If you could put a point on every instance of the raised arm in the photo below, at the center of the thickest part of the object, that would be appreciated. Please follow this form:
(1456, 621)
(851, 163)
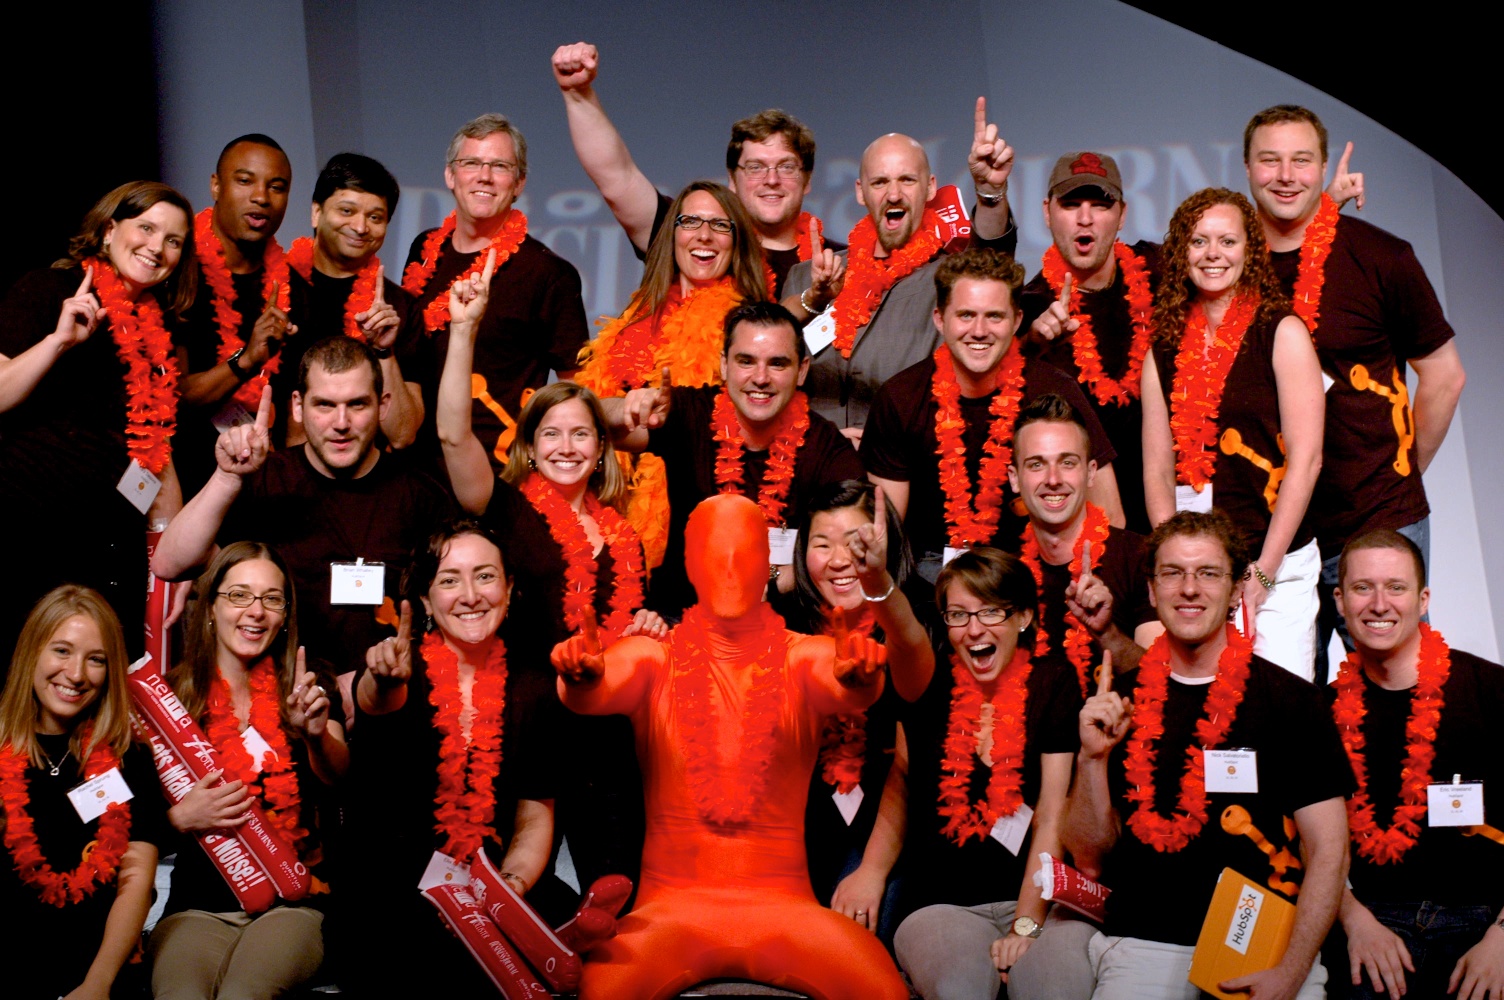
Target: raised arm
(614, 681)
(602, 152)
(76, 321)
(911, 658)
(991, 163)
(1091, 825)
(465, 457)
(1159, 447)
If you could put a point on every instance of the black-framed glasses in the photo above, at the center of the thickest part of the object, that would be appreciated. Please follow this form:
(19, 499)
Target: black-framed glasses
(757, 171)
(956, 618)
(689, 223)
(1172, 576)
(244, 599)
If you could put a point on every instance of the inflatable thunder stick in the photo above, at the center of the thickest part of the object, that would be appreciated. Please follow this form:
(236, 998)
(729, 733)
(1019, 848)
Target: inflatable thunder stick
(1062, 884)
(523, 927)
(480, 936)
(161, 712)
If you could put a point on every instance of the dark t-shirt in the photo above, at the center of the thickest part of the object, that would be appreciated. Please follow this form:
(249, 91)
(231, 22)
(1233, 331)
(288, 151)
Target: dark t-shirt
(534, 324)
(1121, 568)
(1163, 896)
(313, 520)
(979, 871)
(688, 448)
(198, 340)
(1107, 309)
(1377, 311)
(899, 444)
(1443, 866)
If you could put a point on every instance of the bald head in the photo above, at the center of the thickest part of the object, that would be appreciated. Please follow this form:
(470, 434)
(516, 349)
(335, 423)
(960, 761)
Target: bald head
(894, 185)
(895, 143)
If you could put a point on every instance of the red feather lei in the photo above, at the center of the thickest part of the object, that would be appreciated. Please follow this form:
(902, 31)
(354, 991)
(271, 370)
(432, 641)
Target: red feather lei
(793, 424)
(275, 782)
(465, 805)
(868, 277)
(1077, 639)
(151, 381)
(581, 568)
(1084, 340)
(971, 520)
(1005, 785)
(506, 241)
(211, 258)
(1315, 248)
(685, 334)
(1383, 846)
(1200, 377)
(100, 859)
(362, 295)
(801, 244)
(843, 738)
(1171, 834)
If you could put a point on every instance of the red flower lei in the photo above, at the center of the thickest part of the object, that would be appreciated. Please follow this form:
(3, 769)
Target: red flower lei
(581, 568)
(1200, 378)
(100, 859)
(685, 334)
(1173, 833)
(211, 257)
(1315, 248)
(971, 521)
(276, 784)
(843, 738)
(801, 244)
(793, 424)
(1084, 341)
(1077, 639)
(868, 278)
(506, 241)
(465, 805)
(726, 793)
(362, 294)
(151, 381)
(1381, 846)
(1004, 787)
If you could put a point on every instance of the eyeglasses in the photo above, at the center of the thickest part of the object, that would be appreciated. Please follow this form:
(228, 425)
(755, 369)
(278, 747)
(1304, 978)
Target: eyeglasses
(1171, 576)
(689, 223)
(244, 599)
(956, 618)
(471, 165)
(757, 171)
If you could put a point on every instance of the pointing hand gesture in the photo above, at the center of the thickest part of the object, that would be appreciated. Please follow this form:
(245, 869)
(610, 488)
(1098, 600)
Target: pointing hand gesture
(1105, 716)
(391, 660)
(469, 297)
(648, 407)
(242, 449)
(827, 270)
(579, 658)
(1087, 597)
(80, 314)
(859, 658)
(1346, 186)
(308, 704)
(991, 158)
(272, 327)
(380, 322)
(1056, 321)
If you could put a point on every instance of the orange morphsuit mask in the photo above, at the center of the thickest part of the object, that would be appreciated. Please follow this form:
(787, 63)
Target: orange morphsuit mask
(727, 715)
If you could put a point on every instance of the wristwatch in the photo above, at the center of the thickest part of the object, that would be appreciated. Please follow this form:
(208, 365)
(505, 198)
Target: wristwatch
(1027, 927)
(234, 362)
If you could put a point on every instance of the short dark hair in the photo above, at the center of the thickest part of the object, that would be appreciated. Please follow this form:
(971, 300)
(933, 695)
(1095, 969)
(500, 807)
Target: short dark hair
(992, 575)
(339, 354)
(1382, 538)
(1213, 524)
(1283, 114)
(354, 172)
(982, 263)
(807, 605)
(763, 313)
(250, 138)
(1050, 408)
(763, 126)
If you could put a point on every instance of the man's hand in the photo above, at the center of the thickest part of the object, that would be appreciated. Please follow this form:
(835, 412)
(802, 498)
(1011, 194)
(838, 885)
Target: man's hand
(991, 158)
(242, 449)
(1105, 716)
(380, 322)
(1278, 983)
(308, 704)
(860, 897)
(1373, 947)
(827, 271)
(859, 658)
(647, 408)
(272, 327)
(578, 659)
(1346, 186)
(390, 662)
(1056, 321)
(468, 298)
(1007, 950)
(1480, 973)
(80, 314)
(575, 66)
(1087, 597)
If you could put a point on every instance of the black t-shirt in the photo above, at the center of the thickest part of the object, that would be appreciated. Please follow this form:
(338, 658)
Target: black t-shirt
(1107, 309)
(534, 324)
(198, 343)
(1121, 568)
(313, 520)
(46, 950)
(1377, 311)
(978, 871)
(899, 444)
(1163, 896)
(1443, 866)
(688, 448)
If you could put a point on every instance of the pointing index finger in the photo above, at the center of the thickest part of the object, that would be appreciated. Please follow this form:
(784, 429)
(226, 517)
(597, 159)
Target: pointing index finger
(490, 268)
(264, 409)
(271, 297)
(879, 511)
(380, 299)
(1065, 292)
(1085, 560)
(84, 286)
(979, 120)
(405, 624)
(1342, 163)
(664, 381)
(591, 631)
(838, 631)
(816, 239)
(1104, 678)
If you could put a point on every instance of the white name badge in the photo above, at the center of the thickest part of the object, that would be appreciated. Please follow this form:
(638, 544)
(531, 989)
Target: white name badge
(781, 546)
(359, 582)
(94, 796)
(256, 746)
(820, 332)
(231, 415)
(443, 870)
(139, 486)
(1457, 804)
(950, 554)
(848, 802)
(1188, 498)
(1010, 831)
(1231, 770)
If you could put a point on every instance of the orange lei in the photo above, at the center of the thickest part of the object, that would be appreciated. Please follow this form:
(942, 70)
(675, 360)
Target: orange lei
(581, 568)
(1200, 377)
(685, 335)
(100, 859)
(211, 257)
(1084, 340)
(1005, 785)
(793, 424)
(726, 793)
(1381, 846)
(1173, 833)
(151, 381)
(972, 521)
(465, 804)
(278, 784)
(868, 278)
(362, 295)
(1077, 639)
(1315, 248)
(506, 241)
(843, 739)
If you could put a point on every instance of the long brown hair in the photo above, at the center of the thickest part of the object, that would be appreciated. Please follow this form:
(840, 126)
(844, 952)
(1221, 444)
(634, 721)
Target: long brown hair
(607, 481)
(660, 272)
(1172, 302)
(127, 202)
(19, 711)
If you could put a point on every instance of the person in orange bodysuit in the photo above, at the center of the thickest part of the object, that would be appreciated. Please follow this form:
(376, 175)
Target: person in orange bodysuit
(727, 714)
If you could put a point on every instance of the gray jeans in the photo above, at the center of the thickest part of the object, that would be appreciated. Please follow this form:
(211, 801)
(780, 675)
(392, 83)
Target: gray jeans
(946, 951)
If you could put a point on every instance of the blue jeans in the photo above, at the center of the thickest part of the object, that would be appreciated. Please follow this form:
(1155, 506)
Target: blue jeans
(1329, 620)
(1437, 937)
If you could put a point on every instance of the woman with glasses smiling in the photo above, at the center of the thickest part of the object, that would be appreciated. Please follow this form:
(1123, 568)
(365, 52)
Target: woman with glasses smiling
(243, 677)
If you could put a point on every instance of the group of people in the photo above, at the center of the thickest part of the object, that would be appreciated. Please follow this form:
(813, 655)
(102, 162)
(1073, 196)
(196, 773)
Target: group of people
(823, 593)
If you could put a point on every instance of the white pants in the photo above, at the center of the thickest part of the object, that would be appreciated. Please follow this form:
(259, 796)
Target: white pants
(1285, 629)
(1137, 969)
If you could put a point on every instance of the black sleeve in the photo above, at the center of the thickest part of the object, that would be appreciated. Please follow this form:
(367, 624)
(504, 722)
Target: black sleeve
(563, 312)
(1006, 243)
(1314, 765)
(148, 802)
(1060, 729)
(660, 215)
(883, 439)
